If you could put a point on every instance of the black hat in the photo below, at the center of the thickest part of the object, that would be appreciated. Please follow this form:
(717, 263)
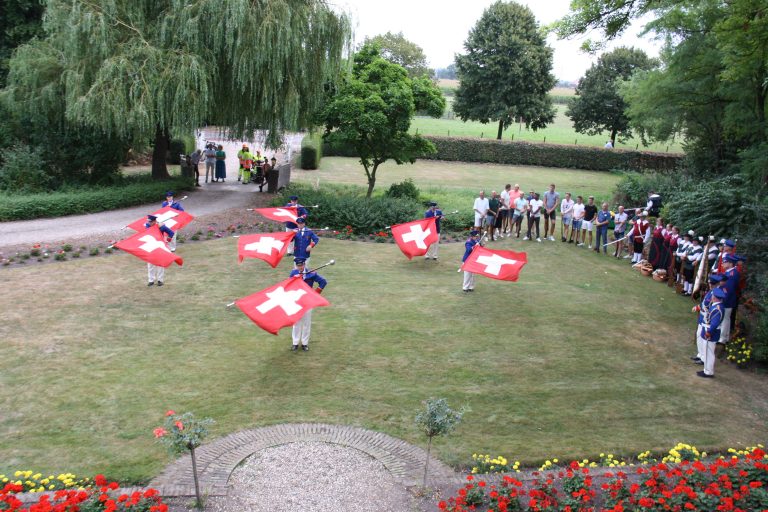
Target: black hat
(170, 193)
(151, 217)
(300, 220)
(299, 260)
(294, 198)
(432, 203)
(474, 233)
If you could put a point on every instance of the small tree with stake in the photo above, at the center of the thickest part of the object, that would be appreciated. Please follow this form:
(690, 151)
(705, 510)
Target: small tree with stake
(437, 419)
(183, 432)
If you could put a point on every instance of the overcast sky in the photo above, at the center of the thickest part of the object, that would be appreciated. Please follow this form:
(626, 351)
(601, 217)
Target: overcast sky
(441, 28)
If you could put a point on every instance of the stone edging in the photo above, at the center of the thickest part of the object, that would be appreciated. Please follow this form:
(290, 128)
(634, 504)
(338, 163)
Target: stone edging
(217, 460)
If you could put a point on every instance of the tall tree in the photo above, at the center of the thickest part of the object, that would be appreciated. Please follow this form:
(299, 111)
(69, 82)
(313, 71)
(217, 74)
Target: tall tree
(147, 68)
(506, 72)
(598, 106)
(22, 20)
(372, 111)
(399, 50)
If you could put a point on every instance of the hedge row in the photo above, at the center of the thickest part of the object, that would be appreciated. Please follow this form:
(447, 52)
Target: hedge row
(311, 151)
(546, 155)
(90, 200)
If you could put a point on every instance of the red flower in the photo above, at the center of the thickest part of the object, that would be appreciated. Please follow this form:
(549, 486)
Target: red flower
(100, 480)
(170, 412)
(159, 432)
(755, 485)
(179, 425)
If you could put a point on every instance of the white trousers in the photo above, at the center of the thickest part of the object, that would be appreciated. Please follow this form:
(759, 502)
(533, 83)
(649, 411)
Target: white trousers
(302, 328)
(709, 358)
(432, 250)
(155, 273)
(469, 281)
(725, 326)
(209, 167)
(172, 243)
(701, 344)
(290, 245)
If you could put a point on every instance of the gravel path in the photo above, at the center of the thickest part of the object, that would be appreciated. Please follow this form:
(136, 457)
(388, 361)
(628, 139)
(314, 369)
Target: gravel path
(313, 477)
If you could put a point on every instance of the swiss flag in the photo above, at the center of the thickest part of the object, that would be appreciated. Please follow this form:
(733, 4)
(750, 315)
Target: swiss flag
(282, 214)
(281, 305)
(414, 238)
(173, 219)
(504, 265)
(150, 246)
(269, 247)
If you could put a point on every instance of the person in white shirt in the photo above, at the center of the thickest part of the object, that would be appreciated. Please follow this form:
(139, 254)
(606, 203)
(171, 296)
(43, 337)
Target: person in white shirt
(578, 216)
(481, 210)
(504, 212)
(535, 206)
(619, 230)
(566, 213)
(521, 206)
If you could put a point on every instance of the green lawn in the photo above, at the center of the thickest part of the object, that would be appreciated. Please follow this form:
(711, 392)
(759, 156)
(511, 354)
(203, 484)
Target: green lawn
(581, 356)
(559, 132)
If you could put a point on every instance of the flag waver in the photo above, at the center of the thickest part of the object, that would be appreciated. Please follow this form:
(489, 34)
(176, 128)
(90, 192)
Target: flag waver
(503, 265)
(281, 305)
(282, 214)
(414, 238)
(270, 247)
(150, 246)
(172, 219)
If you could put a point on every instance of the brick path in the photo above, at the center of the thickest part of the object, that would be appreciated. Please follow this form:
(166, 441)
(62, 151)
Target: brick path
(217, 460)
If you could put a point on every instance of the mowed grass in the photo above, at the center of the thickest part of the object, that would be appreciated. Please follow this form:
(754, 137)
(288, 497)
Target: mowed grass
(559, 132)
(581, 356)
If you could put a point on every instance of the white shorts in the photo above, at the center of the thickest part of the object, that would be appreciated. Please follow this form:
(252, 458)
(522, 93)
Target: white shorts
(479, 219)
(586, 224)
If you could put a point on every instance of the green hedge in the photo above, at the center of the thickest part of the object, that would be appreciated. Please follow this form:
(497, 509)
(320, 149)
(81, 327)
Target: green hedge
(458, 149)
(89, 200)
(311, 151)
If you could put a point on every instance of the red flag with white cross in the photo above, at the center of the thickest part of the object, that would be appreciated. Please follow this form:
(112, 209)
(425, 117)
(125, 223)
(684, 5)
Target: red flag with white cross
(150, 246)
(270, 247)
(503, 265)
(282, 214)
(281, 305)
(172, 219)
(414, 238)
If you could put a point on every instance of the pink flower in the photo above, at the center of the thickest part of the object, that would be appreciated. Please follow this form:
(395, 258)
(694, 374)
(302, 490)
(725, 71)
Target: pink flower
(170, 412)
(159, 432)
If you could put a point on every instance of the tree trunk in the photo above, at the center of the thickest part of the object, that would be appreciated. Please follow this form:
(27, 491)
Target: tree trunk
(199, 503)
(501, 129)
(371, 181)
(613, 138)
(426, 463)
(159, 167)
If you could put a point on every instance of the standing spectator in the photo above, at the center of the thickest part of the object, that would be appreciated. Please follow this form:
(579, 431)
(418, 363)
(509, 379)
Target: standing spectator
(680, 253)
(210, 161)
(493, 214)
(521, 207)
(657, 254)
(641, 230)
(481, 210)
(437, 214)
(731, 301)
(566, 214)
(241, 159)
(601, 228)
(194, 158)
(711, 328)
(469, 277)
(504, 211)
(578, 218)
(551, 201)
(516, 192)
(156, 272)
(535, 207)
(619, 229)
(301, 329)
(590, 211)
(221, 166)
(715, 280)
(695, 253)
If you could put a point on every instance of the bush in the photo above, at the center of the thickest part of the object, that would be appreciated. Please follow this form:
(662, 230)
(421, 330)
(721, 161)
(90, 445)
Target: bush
(347, 206)
(311, 151)
(23, 170)
(133, 192)
(176, 148)
(405, 189)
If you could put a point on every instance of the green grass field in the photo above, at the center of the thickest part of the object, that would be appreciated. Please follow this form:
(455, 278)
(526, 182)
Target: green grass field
(581, 356)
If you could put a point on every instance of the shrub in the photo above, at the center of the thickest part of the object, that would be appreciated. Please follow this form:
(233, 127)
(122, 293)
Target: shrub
(405, 189)
(23, 170)
(311, 151)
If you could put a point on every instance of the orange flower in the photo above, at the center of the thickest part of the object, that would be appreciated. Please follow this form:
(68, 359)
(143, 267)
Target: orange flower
(159, 432)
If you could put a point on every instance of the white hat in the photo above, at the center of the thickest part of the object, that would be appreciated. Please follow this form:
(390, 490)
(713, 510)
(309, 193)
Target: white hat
(691, 232)
(644, 214)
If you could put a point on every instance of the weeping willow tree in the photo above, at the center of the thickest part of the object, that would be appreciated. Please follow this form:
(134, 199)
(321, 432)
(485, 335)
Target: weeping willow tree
(143, 69)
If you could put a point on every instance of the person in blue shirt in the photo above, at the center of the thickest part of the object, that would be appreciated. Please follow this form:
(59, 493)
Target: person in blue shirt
(601, 228)
(469, 245)
(301, 212)
(731, 286)
(715, 280)
(303, 327)
(437, 214)
(304, 241)
(176, 205)
(154, 272)
(710, 331)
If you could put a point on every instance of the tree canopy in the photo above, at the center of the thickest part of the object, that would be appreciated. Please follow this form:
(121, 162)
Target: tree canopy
(143, 69)
(399, 50)
(598, 106)
(506, 72)
(22, 20)
(371, 112)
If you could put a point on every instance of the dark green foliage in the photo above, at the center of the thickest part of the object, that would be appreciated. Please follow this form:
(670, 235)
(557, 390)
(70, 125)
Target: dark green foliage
(399, 50)
(404, 189)
(309, 160)
(23, 170)
(348, 206)
(548, 155)
(21, 21)
(176, 148)
(90, 200)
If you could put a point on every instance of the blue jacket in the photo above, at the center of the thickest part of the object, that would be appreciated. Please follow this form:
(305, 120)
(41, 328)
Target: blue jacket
(438, 214)
(163, 229)
(175, 205)
(712, 331)
(469, 244)
(311, 278)
(300, 212)
(305, 237)
(704, 306)
(731, 288)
